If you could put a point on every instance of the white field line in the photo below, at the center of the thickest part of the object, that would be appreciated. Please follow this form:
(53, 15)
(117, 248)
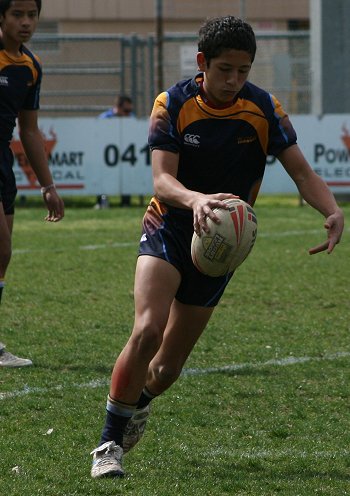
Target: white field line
(83, 247)
(282, 362)
(279, 362)
(128, 244)
(28, 390)
(255, 454)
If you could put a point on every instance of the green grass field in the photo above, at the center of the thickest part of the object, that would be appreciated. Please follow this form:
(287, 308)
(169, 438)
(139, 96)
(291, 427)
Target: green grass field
(263, 405)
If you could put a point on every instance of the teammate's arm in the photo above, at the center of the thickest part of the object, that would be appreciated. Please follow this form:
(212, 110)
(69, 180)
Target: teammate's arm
(34, 148)
(315, 192)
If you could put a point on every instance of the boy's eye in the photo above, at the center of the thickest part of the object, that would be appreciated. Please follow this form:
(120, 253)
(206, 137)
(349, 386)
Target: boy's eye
(18, 15)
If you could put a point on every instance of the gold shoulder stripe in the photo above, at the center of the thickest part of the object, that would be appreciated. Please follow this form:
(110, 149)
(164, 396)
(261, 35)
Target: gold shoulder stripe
(242, 110)
(25, 60)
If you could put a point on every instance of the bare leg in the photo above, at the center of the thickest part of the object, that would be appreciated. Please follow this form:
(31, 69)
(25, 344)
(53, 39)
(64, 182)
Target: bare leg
(6, 225)
(185, 325)
(156, 283)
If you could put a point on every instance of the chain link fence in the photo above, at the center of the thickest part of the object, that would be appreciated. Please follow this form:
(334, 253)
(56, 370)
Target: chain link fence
(84, 73)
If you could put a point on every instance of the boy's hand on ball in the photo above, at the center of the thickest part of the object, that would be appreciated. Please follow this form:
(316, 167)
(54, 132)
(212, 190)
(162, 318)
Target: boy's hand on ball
(203, 209)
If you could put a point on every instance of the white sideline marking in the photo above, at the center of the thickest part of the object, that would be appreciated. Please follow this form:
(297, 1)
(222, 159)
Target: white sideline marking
(186, 372)
(282, 362)
(32, 390)
(127, 244)
(275, 454)
(113, 245)
(289, 233)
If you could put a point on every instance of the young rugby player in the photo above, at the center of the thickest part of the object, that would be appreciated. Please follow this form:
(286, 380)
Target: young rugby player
(20, 77)
(209, 137)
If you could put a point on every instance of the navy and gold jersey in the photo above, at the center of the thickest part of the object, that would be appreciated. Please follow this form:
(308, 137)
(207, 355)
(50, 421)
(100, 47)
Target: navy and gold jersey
(20, 79)
(220, 150)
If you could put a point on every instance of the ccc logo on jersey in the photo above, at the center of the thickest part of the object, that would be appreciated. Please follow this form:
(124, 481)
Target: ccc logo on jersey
(192, 139)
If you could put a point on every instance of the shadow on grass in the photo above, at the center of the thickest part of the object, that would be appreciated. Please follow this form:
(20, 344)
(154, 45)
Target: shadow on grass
(81, 369)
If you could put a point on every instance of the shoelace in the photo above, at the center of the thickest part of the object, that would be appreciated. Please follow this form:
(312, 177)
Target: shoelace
(106, 460)
(106, 457)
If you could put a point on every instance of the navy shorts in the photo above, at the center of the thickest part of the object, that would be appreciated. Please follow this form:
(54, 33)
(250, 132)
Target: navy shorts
(167, 234)
(8, 190)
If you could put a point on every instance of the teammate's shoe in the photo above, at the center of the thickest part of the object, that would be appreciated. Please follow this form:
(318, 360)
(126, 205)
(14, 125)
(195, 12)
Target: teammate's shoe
(107, 461)
(135, 428)
(9, 360)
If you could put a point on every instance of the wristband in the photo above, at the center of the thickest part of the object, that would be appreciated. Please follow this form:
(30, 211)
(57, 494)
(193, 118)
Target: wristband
(45, 189)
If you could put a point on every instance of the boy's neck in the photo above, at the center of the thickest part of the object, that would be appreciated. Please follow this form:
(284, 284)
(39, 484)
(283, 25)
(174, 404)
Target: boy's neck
(206, 98)
(13, 49)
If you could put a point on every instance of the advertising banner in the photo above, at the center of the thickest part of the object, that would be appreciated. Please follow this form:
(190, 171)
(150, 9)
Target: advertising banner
(90, 156)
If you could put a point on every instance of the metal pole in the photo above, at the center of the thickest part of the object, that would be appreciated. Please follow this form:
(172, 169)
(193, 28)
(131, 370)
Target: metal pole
(316, 57)
(134, 72)
(123, 66)
(159, 29)
(151, 70)
(242, 9)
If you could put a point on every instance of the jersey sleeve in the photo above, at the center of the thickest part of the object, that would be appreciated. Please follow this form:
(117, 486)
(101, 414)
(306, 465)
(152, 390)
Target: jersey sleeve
(282, 134)
(163, 134)
(32, 100)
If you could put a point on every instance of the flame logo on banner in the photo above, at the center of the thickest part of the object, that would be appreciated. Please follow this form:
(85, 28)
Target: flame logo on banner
(23, 162)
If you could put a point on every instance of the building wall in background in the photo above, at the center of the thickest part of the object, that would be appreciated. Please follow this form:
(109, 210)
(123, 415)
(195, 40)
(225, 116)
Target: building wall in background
(125, 16)
(84, 76)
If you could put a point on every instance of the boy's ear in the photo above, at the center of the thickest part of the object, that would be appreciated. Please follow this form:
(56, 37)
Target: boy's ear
(201, 62)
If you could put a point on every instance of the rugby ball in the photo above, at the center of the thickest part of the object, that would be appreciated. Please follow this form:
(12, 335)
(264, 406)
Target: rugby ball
(227, 244)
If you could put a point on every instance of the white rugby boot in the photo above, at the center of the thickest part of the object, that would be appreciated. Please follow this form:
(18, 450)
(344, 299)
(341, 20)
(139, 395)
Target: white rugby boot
(107, 461)
(9, 360)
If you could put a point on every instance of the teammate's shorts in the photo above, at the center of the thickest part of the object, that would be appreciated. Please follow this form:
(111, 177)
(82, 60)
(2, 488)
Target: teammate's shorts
(167, 234)
(8, 188)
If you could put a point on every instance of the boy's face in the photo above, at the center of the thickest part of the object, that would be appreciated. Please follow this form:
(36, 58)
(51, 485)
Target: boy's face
(19, 22)
(225, 75)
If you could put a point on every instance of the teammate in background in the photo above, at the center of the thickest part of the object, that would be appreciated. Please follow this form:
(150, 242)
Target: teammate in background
(236, 125)
(20, 77)
(122, 107)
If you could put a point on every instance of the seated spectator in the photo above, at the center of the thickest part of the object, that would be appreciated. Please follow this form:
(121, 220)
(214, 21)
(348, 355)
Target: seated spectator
(122, 107)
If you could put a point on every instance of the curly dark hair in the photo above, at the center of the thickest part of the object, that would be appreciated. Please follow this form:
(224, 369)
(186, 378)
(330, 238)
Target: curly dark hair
(6, 4)
(225, 33)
